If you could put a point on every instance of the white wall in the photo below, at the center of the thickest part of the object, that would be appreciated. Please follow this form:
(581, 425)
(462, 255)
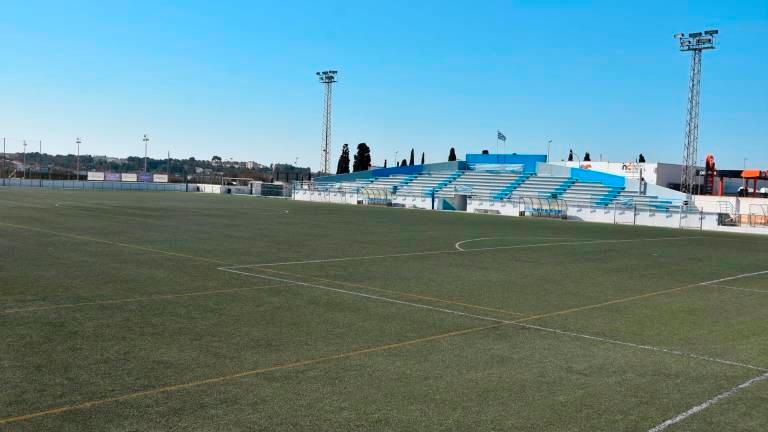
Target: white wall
(740, 205)
(326, 196)
(695, 220)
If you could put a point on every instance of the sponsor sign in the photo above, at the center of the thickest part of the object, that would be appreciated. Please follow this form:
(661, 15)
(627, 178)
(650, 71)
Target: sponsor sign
(145, 177)
(129, 177)
(95, 176)
(112, 176)
(160, 178)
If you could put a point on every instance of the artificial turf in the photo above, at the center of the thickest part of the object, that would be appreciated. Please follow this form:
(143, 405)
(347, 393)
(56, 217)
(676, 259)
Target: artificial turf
(171, 311)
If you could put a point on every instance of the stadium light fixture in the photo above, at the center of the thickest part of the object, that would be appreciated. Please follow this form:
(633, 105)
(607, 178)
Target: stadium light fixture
(327, 78)
(696, 43)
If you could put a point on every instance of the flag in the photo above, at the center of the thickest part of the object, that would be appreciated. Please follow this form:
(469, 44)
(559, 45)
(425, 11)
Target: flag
(500, 136)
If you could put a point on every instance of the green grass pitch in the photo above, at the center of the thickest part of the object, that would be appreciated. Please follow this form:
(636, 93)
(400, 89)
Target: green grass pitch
(130, 311)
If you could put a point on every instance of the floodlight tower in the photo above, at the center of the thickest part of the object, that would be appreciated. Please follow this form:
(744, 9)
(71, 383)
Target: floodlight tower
(696, 43)
(327, 78)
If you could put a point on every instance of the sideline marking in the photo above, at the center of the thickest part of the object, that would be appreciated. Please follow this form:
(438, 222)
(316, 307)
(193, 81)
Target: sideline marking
(740, 289)
(216, 380)
(706, 404)
(137, 299)
(458, 245)
(518, 323)
(451, 251)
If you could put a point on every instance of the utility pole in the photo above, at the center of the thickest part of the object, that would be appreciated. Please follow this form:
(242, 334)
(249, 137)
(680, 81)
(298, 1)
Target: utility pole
(77, 163)
(169, 166)
(696, 43)
(327, 78)
(549, 144)
(24, 175)
(146, 142)
(3, 173)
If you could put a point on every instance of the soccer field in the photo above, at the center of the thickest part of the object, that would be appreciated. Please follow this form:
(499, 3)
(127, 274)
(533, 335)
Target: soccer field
(139, 311)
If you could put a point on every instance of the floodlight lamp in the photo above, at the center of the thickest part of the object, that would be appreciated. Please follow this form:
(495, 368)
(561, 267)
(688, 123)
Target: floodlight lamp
(694, 35)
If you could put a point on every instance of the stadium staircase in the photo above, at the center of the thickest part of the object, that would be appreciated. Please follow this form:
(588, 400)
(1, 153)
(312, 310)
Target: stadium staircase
(483, 184)
(426, 183)
(392, 182)
(543, 186)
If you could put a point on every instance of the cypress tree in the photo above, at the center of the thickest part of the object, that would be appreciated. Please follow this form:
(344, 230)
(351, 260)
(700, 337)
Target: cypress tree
(452, 155)
(343, 166)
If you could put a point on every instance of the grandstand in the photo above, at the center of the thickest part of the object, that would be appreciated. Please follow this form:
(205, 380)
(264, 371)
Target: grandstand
(499, 178)
(527, 185)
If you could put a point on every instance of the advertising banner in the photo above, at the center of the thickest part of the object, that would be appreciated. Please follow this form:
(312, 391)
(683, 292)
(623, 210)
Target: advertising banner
(110, 176)
(129, 177)
(145, 177)
(160, 178)
(95, 176)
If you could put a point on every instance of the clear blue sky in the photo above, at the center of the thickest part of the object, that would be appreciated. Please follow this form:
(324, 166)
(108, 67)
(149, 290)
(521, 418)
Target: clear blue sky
(237, 79)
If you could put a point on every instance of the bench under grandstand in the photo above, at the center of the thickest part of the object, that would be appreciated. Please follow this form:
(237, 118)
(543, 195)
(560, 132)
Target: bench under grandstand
(500, 184)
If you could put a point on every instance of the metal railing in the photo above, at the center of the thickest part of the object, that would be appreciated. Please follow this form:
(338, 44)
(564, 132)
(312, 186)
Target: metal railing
(758, 215)
(96, 185)
(543, 207)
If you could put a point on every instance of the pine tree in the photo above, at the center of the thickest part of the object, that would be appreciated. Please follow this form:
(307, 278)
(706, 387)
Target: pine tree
(587, 158)
(641, 159)
(412, 158)
(452, 155)
(385, 163)
(404, 163)
(422, 158)
(570, 156)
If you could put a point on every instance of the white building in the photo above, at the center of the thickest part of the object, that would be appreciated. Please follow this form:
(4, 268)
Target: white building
(657, 173)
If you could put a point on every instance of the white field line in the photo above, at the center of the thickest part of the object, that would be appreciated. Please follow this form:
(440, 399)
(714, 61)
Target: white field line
(369, 296)
(740, 289)
(451, 251)
(746, 275)
(704, 405)
(486, 318)
(458, 245)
